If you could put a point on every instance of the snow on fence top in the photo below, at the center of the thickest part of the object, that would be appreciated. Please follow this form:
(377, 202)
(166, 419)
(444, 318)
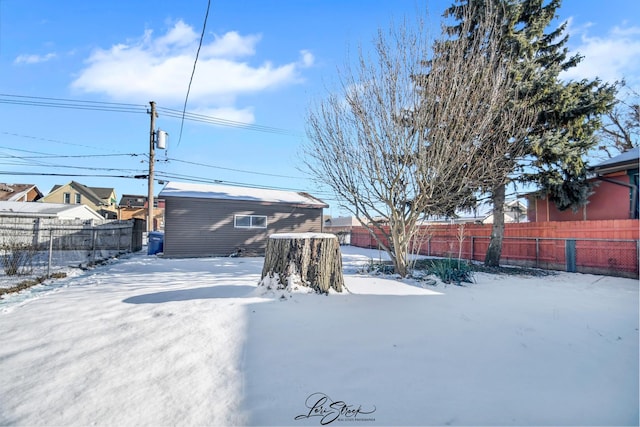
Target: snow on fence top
(228, 192)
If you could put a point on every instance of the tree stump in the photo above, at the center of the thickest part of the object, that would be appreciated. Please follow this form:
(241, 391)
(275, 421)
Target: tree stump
(313, 259)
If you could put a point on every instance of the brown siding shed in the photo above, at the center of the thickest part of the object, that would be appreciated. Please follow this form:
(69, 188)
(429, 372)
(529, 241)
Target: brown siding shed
(200, 220)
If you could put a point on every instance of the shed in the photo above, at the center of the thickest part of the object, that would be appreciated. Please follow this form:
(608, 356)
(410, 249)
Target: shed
(221, 220)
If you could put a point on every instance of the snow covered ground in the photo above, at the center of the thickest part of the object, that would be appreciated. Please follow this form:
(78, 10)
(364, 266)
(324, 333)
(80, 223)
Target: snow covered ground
(150, 341)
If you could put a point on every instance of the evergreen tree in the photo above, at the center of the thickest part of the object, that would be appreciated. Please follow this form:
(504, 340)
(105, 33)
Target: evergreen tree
(568, 113)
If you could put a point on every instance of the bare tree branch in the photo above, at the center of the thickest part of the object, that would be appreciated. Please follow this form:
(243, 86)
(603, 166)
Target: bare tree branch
(405, 137)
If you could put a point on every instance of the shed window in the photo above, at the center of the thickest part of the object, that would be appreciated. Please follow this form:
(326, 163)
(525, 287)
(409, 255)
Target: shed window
(250, 221)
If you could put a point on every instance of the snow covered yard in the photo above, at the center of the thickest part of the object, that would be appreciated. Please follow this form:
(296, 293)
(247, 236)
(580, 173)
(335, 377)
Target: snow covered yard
(152, 341)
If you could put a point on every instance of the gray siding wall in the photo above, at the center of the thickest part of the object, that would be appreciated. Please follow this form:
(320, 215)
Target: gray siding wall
(205, 227)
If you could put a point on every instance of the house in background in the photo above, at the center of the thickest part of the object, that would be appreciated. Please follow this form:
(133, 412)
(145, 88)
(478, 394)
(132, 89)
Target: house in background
(100, 199)
(220, 220)
(341, 226)
(514, 211)
(49, 210)
(135, 206)
(615, 194)
(19, 193)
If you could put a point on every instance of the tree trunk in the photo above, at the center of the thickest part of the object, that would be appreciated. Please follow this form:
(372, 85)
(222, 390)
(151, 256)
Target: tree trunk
(399, 250)
(308, 259)
(494, 251)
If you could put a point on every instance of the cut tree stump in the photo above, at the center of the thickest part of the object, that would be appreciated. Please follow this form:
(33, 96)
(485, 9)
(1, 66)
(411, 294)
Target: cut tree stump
(313, 259)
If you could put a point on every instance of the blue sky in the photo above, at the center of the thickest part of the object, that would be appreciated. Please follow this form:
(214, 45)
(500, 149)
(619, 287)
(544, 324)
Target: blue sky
(262, 62)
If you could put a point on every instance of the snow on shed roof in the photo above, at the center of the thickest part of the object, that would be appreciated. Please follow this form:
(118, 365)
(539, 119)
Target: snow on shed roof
(228, 192)
(57, 210)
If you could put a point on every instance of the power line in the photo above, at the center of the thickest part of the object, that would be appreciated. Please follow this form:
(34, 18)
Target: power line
(74, 167)
(132, 108)
(64, 174)
(228, 123)
(169, 159)
(193, 71)
(234, 170)
(190, 178)
(164, 176)
(58, 156)
(67, 100)
(53, 140)
(73, 104)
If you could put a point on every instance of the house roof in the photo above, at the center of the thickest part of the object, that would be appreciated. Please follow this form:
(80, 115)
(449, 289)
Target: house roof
(15, 192)
(103, 192)
(96, 194)
(137, 201)
(48, 210)
(627, 160)
(227, 192)
(132, 200)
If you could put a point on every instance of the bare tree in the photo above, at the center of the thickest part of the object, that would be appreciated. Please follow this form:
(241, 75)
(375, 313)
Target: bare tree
(406, 137)
(621, 128)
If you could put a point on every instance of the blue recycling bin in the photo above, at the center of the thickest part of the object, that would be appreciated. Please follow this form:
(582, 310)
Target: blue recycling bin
(155, 242)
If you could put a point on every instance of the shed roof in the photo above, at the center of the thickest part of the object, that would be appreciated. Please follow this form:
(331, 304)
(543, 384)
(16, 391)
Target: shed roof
(52, 210)
(228, 192)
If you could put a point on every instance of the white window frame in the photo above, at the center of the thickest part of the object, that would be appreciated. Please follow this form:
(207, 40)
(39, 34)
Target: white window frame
(66, 198)
(251, 221)
(78, 198)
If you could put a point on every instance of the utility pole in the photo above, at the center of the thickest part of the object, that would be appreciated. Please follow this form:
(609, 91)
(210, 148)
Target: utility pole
(152, 160)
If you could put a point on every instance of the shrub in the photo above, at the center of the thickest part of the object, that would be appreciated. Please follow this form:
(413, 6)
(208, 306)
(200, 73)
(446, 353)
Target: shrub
(17, 258)
(450, 270)
(379, 267)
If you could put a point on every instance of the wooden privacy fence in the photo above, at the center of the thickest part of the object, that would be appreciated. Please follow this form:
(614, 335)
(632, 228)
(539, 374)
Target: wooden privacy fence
(600, 247)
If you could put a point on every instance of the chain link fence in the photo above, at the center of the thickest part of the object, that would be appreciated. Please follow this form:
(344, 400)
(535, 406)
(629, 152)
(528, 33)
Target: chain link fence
(613, 257)
(36, 248)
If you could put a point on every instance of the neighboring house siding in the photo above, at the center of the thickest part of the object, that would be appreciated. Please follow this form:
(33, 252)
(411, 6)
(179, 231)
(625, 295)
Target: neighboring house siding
(205, 227)
(614, 195)
(33, 195)
(135, 206)
(77, 194)
(608, 201)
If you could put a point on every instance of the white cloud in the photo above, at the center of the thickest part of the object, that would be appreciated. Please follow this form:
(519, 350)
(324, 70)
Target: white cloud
(244, 115)
(34, 59)
(232, 45)
(612, 56)
(307, 58)
(181, 35)
(159, 68)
